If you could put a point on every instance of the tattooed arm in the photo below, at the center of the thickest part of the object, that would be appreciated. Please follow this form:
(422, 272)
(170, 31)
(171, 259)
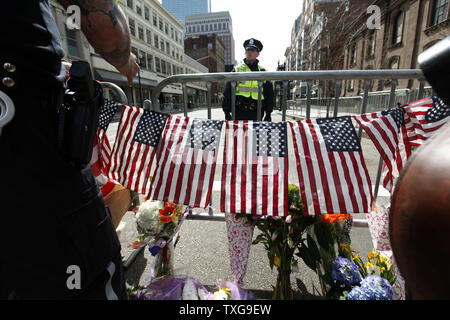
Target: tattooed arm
(105, 26)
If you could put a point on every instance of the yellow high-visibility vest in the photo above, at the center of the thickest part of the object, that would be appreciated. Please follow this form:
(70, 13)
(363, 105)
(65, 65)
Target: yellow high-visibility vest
(247, 89)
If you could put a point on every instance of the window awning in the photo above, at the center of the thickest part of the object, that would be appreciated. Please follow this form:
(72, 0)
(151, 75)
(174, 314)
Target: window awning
(115, 77)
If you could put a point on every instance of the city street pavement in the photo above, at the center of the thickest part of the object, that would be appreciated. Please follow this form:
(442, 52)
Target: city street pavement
(202, 250)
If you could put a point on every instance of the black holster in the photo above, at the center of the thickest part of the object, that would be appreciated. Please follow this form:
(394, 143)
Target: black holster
(79, 115)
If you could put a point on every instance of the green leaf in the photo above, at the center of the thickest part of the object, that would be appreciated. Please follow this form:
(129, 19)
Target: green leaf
(324, 235)
(313, 247)
(306, 255)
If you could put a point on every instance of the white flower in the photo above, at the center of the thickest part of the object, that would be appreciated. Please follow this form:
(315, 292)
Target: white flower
(147, 216)
(222, 294)
(189, 290)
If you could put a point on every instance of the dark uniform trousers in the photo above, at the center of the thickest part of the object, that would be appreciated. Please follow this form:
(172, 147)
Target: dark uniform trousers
(57, 240)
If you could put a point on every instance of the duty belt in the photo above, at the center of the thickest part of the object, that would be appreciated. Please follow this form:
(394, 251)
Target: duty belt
(248, 105)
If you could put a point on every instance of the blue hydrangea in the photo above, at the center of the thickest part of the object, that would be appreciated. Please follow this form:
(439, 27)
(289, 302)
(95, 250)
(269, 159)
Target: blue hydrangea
(345, 271)
(372, 288)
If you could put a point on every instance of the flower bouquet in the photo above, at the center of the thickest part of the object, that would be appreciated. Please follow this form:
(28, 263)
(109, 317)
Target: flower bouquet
(320, 247)
(280, 237)
(186, 288)
(158, 223)
(355, 280)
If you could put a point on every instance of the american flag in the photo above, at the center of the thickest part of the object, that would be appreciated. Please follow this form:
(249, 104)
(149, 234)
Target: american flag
(332, 173)
(102, 150)
(254, 173)
(186, 164)
(136, 144)
(387, 131)
(424, 118)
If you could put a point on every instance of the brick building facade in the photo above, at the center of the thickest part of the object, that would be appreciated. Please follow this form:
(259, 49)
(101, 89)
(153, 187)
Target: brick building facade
(408, 27)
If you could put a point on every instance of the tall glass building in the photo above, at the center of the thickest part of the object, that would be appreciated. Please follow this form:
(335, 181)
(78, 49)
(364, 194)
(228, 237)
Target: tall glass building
(181, 8)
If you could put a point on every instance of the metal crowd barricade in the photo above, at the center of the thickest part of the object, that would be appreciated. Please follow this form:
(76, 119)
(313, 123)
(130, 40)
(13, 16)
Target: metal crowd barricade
(338, 76)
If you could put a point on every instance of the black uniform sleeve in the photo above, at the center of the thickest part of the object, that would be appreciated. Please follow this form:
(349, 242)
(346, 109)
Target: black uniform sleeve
(226, 102)
(268, 99)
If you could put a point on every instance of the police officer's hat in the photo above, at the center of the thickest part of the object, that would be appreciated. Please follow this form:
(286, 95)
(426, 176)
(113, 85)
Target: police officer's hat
(253, 44)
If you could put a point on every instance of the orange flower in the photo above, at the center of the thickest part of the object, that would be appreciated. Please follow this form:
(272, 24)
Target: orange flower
(137, 244)
(167, 213)
(331, 218)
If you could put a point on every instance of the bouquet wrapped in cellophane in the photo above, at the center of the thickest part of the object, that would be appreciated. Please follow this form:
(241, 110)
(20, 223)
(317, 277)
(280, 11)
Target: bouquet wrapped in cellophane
(158, 225)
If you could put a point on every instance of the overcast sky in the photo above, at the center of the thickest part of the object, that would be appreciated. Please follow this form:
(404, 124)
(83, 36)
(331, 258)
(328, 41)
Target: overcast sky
(266, 20)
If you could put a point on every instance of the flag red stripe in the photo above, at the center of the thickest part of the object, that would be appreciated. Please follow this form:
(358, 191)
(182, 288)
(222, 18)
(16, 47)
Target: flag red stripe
(254, 193)
(224, 168)
(299, 169)
(201, 178)
(179, 183)
(127, 112)
(309, 165)
(360, 182)
(321, 164)
(123, 164)
(351, 187)
(164, 154)
(337, 184)
(265, 182)
(236, 131)
(244, 166)
(178, 145)
(276, 186)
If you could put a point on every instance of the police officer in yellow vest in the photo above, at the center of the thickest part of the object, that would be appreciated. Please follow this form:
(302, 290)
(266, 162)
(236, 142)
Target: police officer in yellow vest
(247, 91)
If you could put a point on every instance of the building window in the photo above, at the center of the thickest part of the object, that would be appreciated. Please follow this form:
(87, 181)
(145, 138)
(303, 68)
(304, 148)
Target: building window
(142, 59)
(130, 4)
(132, 27)
(141, 33)
(440, 11)
(352, 54)
(394, 63)
(194, 46)
(161, 24)
(398, 28)
(351, 85)
(138, 7)
(135, 51)
(167, 47)
(163, 67)
(156, 41)
(161, 44)
(371, 44)
(149, 36)
(72, 43)
(150, 62)
(155, 21)
(166, 28)
(158, 64)
(147, 13)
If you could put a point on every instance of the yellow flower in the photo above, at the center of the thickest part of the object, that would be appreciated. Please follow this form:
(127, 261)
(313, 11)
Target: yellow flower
(356, 257)
(372, 255)
(277, 261)
(368, 265)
